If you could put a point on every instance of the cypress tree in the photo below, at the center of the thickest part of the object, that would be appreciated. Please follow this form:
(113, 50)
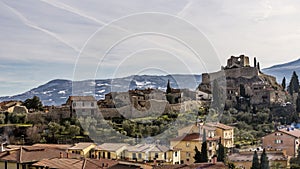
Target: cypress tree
(283, 84)
(264, 162)
(221, 151)
(254, 61)
(294, 84)
(197, 156)
(204, 157)
(255, 161)
(169, 90)
(258, 66)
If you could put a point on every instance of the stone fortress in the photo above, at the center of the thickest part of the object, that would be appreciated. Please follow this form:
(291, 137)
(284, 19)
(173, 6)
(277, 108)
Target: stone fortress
(260, 89)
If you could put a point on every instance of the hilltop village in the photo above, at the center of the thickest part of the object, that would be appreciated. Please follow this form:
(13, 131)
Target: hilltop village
(237, 117)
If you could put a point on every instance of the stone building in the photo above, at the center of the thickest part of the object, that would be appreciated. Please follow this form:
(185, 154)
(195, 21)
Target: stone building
(82, 105)
(260, 89)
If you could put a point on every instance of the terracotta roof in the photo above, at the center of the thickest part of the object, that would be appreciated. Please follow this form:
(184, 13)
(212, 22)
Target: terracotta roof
(292, 132)
(54, 146)
(28, 154)
(81, 146)
(147, 147)
(220, 125)
(66, 163)
(193, 137)
(111, 146)
(218, 165)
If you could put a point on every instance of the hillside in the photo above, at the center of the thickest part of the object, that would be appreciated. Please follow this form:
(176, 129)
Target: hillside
(283, 70)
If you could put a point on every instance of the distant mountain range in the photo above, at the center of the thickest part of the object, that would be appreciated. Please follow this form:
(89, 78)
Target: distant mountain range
(56, 92)
(283, 70)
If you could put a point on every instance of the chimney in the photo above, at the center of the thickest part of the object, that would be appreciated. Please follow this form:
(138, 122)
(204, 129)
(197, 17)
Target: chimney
(61, 155)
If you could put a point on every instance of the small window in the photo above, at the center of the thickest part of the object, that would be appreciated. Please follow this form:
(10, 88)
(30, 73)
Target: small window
(140, 156)
(92, 104)
(133, 156)
(187, 144)
(74, 104)
(188, 154)
(175, 153)
(156, 155)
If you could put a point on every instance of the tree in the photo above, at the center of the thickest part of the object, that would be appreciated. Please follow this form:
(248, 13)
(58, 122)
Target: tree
(258, 66)
(169, 89)
(74, 130)
(255, 161)
(33, 103)
(294, 84)
(231, 165)
(221, 151)
(33, 135)
(264, 162)
(298, 103)
(197, 156)
(204, 157)
(255, 62)
(283, 84)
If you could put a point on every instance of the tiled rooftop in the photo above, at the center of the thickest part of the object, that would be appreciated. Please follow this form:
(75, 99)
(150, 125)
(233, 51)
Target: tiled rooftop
(111, 146)
(81, 146)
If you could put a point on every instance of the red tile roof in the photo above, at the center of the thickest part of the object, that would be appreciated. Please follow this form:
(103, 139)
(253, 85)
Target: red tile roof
(66, 163)
(292, 132)
(28, 154)
(193, 137)
(219, 125)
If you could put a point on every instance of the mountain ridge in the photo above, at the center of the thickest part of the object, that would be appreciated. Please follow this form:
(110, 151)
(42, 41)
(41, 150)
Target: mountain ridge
(56, 91)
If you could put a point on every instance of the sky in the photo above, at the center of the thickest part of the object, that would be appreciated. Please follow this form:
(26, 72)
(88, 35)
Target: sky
(43, 40)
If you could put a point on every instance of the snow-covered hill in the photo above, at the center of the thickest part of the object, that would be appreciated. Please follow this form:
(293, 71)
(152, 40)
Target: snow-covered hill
(56, 92)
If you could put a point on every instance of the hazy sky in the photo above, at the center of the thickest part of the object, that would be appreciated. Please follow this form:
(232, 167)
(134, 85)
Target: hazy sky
(43, 40)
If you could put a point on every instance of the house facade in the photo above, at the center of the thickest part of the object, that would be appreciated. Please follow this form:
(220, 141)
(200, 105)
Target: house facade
(285, 139)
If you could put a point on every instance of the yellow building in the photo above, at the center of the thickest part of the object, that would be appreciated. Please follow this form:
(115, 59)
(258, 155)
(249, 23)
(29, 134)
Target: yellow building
(152, 153)
(187, 144)
(83, 149)
(113, 151)
(225, 132)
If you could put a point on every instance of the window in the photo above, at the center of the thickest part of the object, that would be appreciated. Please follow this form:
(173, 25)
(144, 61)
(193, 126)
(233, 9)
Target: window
(140, 155)
(187, 144)
(82, 104)
(188, 154)
(175, 153)
(74, 104)
(92, 104)
(133, 156)
(156, 155)
(278, 141)
(210, 144)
